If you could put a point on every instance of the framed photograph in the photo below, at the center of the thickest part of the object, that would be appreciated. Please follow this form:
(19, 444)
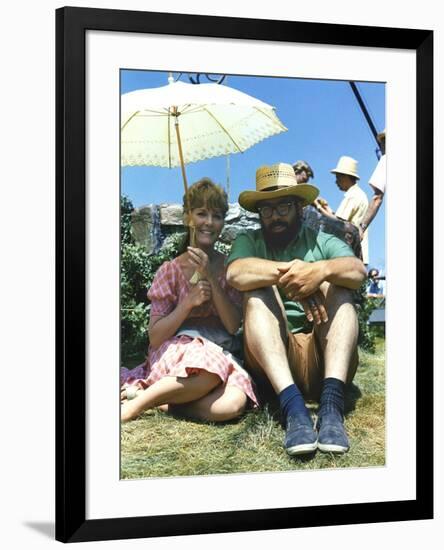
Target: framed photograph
(331, 91)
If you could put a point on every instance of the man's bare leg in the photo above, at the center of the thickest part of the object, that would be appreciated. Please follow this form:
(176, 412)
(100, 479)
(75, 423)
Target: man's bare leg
(265, 329)
(338, 339)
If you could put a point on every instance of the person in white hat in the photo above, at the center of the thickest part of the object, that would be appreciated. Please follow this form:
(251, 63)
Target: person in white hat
(300, 323)
(354, 204)
(377, 182)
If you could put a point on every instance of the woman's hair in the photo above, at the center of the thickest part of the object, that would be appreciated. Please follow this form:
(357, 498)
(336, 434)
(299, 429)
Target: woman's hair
(205, 193)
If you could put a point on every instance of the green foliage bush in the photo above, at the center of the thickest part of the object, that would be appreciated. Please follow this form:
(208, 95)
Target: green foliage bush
(365, 307)
(137, 270)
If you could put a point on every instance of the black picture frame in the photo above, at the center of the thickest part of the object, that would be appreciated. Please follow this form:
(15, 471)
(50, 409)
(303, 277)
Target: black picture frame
(71, 24)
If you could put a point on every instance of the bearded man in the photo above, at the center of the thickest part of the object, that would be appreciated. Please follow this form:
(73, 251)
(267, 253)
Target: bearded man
(300, 323)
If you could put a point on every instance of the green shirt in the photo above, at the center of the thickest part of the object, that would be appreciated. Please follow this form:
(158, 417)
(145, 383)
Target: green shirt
(309, 246)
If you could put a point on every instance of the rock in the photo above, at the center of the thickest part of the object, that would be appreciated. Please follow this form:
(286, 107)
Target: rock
(171, 214)
(145, 226)
(234, 212)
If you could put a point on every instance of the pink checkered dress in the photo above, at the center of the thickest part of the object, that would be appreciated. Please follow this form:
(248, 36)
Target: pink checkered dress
(183, 355)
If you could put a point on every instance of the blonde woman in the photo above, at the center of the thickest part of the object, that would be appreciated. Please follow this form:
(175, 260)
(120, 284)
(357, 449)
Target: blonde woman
(190, 366)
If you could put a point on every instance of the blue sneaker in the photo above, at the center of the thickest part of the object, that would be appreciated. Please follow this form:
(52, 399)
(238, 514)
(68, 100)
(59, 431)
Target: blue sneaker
(332, 436)
(300, 436)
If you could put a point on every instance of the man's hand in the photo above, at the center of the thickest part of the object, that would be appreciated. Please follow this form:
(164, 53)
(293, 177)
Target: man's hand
(301, 279)
(314, 307)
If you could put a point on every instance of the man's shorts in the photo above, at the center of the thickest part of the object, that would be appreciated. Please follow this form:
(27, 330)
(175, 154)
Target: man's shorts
(306, 361)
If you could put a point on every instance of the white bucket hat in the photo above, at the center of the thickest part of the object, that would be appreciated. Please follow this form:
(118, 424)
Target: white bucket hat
(277, 180)
(347, 166)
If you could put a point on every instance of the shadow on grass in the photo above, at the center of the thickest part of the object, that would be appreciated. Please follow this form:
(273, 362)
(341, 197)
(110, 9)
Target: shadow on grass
(308, 457)
(352, 395)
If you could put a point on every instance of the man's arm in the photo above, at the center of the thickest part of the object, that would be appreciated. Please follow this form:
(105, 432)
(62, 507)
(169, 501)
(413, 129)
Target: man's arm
(301, 279)
(372, 210)
(297, 278)
(250, 273)
(324, 209)
(348, 272)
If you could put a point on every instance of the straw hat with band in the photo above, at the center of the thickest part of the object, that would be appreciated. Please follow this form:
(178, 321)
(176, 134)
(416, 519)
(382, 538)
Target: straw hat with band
(347, 166)
(272, 182)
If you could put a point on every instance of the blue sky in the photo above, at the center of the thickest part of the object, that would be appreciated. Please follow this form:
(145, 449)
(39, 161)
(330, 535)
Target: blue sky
(324, 122)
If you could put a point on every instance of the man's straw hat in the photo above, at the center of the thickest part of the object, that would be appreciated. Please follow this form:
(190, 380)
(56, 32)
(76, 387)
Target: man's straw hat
(347, 166)
(272, 182)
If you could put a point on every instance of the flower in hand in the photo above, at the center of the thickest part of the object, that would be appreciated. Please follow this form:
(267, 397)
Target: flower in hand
(198, 259)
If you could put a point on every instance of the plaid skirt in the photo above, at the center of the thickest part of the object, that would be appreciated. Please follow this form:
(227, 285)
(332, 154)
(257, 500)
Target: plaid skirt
(183, 356)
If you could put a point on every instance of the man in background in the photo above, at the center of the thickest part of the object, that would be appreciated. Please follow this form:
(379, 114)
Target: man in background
(354, 205)
(375, 286)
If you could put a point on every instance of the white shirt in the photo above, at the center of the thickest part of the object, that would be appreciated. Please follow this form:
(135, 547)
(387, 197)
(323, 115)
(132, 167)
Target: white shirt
(379, 177)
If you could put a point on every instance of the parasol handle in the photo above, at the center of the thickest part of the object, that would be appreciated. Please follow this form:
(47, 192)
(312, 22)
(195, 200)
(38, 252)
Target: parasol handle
(175, 114)
(179, 145)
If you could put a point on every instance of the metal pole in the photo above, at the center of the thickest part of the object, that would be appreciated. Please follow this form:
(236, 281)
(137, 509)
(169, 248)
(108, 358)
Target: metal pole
(364, 111)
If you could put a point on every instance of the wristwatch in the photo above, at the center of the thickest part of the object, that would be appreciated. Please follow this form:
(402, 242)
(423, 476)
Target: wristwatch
(363, 226)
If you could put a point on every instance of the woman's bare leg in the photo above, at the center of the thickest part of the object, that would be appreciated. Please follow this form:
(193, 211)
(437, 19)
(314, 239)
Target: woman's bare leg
(223, 403)
(171, 390)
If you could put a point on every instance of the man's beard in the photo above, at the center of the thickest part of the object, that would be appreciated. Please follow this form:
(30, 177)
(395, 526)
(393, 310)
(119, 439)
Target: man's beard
(278, 241)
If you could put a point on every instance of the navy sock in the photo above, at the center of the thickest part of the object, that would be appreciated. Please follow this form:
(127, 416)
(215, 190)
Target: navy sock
(292, 402)
(332, 397)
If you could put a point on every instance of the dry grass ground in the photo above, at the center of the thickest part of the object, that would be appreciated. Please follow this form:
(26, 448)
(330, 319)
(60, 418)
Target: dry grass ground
(159, 445)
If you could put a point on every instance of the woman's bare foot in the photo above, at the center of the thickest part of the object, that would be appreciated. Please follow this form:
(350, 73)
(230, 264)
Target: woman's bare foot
(129, 393)
(129, 411)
